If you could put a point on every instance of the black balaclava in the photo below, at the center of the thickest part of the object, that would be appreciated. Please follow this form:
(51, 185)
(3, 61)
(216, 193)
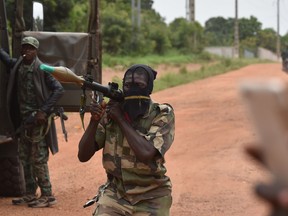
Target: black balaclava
(137, 100)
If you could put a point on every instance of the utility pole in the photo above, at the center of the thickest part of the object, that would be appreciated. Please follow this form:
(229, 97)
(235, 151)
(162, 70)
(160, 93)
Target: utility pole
(135, 19)
(190, 10)
(136, 13)
(139, 14)
(132, 14)
(236, 32)
(278, 30)
(190, 16)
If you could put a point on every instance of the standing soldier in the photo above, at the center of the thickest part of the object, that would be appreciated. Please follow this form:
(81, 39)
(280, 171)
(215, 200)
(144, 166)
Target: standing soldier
(32, 95)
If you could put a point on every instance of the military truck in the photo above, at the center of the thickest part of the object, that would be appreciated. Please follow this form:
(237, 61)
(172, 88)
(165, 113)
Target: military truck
(81, 52)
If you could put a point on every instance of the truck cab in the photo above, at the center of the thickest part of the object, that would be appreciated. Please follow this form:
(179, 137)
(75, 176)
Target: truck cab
(78, 51)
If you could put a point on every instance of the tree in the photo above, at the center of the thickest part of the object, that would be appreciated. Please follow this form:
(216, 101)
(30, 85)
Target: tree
(220, 31)
(267, 38)
(77, 19)
(186, 36)
(116, 30)
(249, 27)
(155, 34)
(54, 12)
(118, 36)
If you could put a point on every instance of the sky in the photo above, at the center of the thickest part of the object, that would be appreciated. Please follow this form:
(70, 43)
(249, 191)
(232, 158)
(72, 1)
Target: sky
(264, 10)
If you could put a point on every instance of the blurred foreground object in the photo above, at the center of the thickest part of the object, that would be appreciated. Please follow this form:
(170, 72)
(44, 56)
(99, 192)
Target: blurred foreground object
(267, 105)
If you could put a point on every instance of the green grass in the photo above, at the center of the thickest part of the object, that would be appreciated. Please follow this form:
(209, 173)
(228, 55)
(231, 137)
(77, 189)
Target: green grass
(152, 60)
(210, 66)
(207, 70)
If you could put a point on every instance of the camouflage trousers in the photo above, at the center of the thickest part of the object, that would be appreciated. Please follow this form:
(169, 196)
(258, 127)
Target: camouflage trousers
(34, 158)
(109, 205)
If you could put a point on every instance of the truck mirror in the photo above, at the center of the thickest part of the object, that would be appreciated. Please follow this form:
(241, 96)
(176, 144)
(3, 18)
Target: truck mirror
(38, 16)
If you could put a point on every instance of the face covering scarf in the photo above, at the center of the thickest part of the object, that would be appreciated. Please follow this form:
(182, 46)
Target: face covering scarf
(136, 102)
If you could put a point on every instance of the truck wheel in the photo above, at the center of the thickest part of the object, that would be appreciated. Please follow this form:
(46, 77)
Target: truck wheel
(12, 177)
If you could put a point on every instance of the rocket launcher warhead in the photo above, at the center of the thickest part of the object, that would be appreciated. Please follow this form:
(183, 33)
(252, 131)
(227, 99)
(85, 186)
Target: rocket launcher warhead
(63, 74)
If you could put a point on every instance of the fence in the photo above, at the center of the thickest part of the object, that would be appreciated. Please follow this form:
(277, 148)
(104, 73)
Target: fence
(227, 52)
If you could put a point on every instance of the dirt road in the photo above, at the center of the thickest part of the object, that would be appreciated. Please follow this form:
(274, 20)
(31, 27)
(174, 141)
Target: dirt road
(210, 173)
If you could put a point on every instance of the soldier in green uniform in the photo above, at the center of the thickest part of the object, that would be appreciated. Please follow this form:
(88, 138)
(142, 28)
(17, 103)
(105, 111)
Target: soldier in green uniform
(135, 135)
(31, 97)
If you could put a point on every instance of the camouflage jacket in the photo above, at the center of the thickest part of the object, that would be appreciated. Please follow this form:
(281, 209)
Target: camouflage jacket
(134, 180)
(47, 89)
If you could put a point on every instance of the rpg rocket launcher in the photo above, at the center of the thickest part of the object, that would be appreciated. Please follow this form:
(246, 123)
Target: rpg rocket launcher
(65, 75)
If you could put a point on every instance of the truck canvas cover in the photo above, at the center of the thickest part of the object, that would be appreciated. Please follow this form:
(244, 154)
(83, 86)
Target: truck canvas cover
(69, 50)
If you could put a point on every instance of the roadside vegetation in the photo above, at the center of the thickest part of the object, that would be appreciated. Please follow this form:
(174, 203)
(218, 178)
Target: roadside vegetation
(152, 41)
(210, 66)
(147, 33)
(207, 70)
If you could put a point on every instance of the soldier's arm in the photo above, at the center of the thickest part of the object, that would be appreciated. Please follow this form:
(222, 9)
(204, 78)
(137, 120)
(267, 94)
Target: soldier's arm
(88, 145)
(143, 145)
(57, 91)
(5, 58)
(142, 148)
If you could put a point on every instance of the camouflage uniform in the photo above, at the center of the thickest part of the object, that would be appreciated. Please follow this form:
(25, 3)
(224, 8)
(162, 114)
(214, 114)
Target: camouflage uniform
(30, 89)
(33, 150)
(133, 185)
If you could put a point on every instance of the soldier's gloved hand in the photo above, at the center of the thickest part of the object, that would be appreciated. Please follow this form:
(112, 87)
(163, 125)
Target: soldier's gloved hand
(40, 117)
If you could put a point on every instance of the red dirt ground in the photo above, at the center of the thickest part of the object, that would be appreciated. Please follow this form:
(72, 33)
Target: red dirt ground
(211, 175)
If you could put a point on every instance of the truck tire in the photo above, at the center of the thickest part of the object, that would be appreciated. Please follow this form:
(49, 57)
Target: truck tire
(11, 177)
